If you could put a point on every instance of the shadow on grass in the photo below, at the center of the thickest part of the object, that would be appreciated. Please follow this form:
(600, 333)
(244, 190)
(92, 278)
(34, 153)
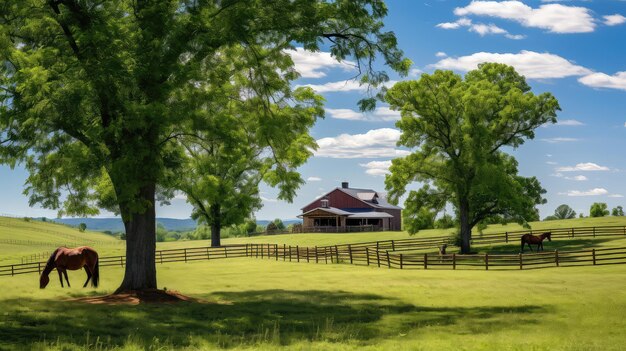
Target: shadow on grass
(556, 244)
(279, 317)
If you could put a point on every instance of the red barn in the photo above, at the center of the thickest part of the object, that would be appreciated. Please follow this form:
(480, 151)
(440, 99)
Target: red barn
(348, 209)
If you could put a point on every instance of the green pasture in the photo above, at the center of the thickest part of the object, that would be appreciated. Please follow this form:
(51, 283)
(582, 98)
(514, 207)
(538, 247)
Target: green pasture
(268, 305)
(20, 239)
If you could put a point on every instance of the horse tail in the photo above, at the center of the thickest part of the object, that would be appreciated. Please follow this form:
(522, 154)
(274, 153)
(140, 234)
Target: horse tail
(96, 273)
(522, 241)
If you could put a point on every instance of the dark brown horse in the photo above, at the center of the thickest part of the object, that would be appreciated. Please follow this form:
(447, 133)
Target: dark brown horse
(73, 259)
(535, 240)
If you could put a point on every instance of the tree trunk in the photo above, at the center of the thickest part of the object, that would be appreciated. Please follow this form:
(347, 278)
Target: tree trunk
(140, 270)
(466, 229)
(216, 226)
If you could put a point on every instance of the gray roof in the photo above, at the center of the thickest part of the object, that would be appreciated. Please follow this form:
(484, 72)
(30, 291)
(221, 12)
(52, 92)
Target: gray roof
(332, 210)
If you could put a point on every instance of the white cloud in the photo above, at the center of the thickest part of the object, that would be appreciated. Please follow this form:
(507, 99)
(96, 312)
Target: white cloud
(377, 168)
(556, 18)
(592, 192)
(314, 179)
(559, 140)
(441, 54)
(616, 195)
(614, 20)
(480, 28)
(268, 199)
(603, 80)
(315, 64)
(381, 113)
(414, 72)
(343, 86)
(533, 65)
(578, 178)
(551, 162)
(373, 144)
(588, 166)
(569, 122)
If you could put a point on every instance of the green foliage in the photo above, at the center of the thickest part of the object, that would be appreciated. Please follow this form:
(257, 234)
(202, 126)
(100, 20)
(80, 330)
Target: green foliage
(250, 226)
(161, 233)
(564, 212)
(82, 227)
(446, 221)
(551, 218)
(279, 224)
(618, 211)
(271, 227)
(598, 209)
(99, 99)
(456, 127)
(581, 215)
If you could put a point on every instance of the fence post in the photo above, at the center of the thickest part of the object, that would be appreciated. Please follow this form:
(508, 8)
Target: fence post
(12, 270)
(337, 254)
(350, 252)
(225, 252)
(289, 253)
(486, 261)
(593, 256)
(393, 245)
(572, 232)
(453, 261)
(378, 257)
(425, 261)
(285, 252)
(246, 250)
(261, 245)
(298, 253)
(401, 262)
(39, 267)
(367, 255)
(122, 261)
(326, 255)
(185, 255)
(276, 251)
(556, 257)
(388, 260)
(307, 254)
(521, 263)
(316, 257)
(506, 236)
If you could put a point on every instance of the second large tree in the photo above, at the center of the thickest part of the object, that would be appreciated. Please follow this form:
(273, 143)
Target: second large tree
(457, 128)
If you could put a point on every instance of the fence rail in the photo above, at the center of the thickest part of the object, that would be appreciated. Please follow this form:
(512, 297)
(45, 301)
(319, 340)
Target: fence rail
(398, 254)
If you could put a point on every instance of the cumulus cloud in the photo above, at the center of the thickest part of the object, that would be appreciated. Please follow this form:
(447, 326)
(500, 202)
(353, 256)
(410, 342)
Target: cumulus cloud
(480, 28)
(373, 144)
(555, 18)
(441, 54)
(377, 168)
(381, 113)
(614, 20)
(588, 166)
(314, 179)
(603, 80)
(414, 72)
(592, 192)
(532, 65)
(315, 64)
(342, 86)
(578, 178)
(559, 140)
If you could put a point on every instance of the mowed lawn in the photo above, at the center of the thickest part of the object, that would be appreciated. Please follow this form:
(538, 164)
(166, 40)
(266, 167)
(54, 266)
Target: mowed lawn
(268, 305)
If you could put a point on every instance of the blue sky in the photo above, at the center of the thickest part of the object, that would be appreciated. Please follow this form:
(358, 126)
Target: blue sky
(573, 49)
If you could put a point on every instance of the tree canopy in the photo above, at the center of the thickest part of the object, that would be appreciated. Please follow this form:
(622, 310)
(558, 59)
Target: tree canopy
(618, 211)
(456, 128)
(96, 96)
(599, 209)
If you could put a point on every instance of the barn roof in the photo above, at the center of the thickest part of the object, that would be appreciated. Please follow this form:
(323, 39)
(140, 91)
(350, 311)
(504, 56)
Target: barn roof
(368, 196)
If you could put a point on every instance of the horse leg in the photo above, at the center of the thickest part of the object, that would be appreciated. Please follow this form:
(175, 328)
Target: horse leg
(67, 280)
(60, 276)
(88, 275)
(530, 247)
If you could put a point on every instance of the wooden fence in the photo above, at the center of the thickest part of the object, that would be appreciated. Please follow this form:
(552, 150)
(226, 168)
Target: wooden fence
(393, 253)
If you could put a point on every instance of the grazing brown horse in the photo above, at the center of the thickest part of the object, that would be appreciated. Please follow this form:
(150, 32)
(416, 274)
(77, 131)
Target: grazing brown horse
(535, 240)
(73, 259)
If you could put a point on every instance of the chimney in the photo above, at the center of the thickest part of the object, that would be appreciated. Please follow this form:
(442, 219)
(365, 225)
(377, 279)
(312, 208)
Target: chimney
(345, 185)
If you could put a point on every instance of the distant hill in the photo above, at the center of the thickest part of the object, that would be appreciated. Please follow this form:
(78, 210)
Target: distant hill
(171, 224)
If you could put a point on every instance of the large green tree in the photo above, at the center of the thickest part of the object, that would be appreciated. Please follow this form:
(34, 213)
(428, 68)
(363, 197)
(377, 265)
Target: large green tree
(564, 212)
(598, 209)
(95, 95)
(456, 129)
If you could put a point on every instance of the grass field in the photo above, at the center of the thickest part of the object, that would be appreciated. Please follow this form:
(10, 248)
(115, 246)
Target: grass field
(268, 305)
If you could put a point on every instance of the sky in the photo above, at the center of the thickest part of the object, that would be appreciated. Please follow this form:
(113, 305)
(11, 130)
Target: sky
(573, 49)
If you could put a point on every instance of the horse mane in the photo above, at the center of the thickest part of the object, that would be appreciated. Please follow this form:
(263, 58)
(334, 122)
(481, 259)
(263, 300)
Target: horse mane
(50, 261)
